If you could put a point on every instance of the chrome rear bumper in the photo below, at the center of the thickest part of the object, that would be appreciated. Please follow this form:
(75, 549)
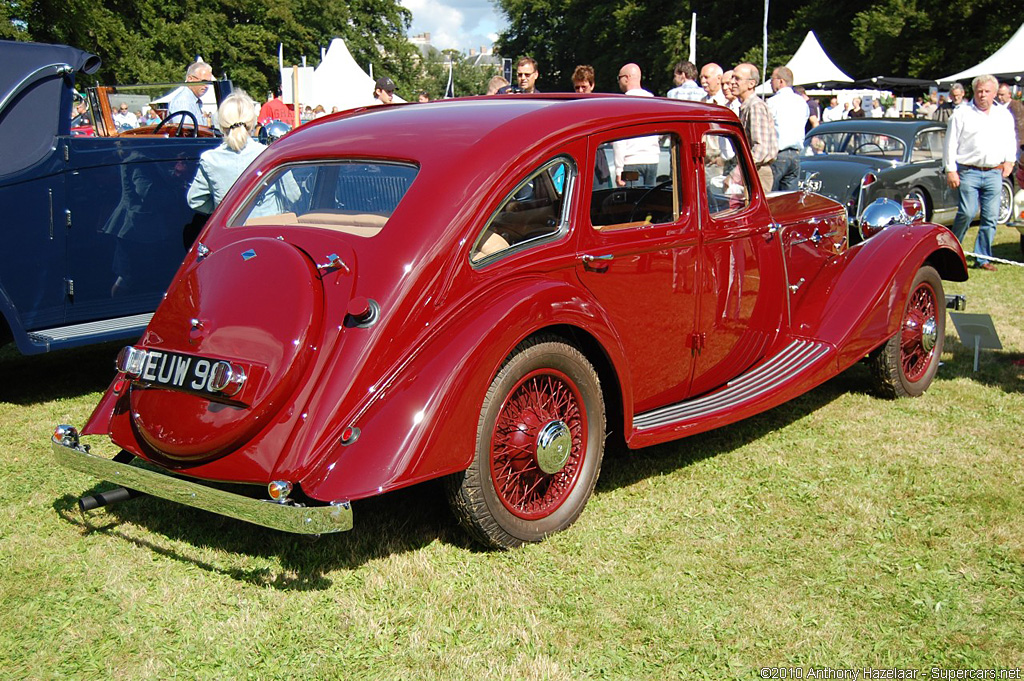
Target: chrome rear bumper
(285, 517)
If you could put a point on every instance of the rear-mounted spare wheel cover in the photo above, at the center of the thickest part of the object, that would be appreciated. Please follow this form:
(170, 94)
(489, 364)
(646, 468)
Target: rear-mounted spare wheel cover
(256, 302)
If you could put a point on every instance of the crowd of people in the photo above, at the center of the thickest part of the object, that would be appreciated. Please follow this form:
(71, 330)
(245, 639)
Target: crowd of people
(983, 144)
(984, 137)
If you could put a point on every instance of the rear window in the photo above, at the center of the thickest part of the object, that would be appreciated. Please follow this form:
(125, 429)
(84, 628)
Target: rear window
(355, 197)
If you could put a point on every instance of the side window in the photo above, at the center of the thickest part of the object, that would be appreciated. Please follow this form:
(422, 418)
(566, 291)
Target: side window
(535, 211)
(636, 182)
(725, 177)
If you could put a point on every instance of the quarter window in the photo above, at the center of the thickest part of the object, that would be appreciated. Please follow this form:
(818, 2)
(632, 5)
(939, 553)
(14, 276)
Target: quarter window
(928, 145)
(535, 211)
(726, 180)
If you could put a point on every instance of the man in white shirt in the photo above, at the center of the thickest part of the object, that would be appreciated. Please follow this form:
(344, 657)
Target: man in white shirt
(711, 81)
(833, 112)
(125, 119)
(636, 154)
(190, 97)
(790, 113)
(979, 153)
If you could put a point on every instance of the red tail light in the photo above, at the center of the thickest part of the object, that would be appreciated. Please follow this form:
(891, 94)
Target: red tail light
(868, 180)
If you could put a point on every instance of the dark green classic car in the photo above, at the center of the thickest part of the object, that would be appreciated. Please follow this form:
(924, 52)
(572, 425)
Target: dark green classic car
(857, 161)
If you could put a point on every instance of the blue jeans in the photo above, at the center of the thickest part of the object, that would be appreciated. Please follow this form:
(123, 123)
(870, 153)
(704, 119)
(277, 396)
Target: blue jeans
(786, 170)
(648, 173)
(978, 186)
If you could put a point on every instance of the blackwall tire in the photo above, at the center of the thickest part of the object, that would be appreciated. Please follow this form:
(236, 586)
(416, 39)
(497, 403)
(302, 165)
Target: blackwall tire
(540, 441)
(1005, 202)
(906, 364)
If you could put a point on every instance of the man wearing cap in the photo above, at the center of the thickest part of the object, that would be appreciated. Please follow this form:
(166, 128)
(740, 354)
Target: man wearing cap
(384, 90)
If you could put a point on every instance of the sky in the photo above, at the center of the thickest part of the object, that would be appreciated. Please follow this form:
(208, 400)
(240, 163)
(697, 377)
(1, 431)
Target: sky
(458, 24)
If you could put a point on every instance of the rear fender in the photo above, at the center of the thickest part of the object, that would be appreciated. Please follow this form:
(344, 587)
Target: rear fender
(857, 303)
(422, 422)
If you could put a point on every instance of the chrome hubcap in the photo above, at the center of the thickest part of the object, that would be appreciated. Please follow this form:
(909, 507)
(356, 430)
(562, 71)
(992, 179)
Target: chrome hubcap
(554, 444)
(929, 334)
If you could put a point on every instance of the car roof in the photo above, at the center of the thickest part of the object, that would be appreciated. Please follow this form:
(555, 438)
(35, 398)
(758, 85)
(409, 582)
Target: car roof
(905, 128)
(21, 60)
(503, 126)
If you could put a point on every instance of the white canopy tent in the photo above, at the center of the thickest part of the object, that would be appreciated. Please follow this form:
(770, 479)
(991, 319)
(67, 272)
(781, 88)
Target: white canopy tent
(338, 82)
(1007, 62)
(810, 66)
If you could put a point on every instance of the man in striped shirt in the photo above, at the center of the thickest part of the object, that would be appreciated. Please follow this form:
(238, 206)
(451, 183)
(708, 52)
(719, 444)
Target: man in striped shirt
(757, 122)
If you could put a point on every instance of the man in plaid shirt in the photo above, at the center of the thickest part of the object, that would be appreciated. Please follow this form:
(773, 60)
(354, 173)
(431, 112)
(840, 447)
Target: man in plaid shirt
(757, 123)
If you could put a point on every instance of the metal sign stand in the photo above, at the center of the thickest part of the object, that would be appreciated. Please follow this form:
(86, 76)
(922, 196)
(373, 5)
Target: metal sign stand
(977, 331)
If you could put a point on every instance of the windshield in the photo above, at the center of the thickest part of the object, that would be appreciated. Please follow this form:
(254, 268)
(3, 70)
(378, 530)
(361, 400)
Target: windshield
(356, 197)
(857, 144)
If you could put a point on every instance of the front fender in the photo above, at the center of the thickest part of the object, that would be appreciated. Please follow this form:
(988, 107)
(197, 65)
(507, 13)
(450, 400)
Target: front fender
(423, 422)
(859, 304)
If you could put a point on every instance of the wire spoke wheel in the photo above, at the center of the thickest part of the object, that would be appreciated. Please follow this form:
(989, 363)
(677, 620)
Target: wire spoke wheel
(530, 480)
(917, 341)
(540, 440)
(906, 364)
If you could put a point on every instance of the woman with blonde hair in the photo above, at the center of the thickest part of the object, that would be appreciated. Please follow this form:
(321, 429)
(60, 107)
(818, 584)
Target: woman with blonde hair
(220, 167)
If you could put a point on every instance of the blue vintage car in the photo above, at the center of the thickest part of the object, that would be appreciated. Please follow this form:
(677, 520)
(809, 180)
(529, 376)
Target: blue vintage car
(94, 227)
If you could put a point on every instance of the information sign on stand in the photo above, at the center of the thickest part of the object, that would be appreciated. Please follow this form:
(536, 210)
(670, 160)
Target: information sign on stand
(976, 331)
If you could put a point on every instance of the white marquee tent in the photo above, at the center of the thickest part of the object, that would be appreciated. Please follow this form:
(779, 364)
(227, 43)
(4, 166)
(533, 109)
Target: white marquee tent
(338, 82)
(1006, 62)
(811, 67)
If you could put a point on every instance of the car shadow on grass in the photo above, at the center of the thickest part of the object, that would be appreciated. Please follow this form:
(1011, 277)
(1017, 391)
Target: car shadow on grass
(403, 521)
(398, 522)
(625, 467)
(65, 374)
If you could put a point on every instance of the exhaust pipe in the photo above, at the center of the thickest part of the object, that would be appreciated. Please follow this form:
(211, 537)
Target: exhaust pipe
(113, 496)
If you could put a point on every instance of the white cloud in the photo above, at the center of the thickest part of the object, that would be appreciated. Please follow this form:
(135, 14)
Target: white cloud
(458, 24)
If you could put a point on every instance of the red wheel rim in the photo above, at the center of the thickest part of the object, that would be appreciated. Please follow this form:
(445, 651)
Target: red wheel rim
(915, 353)
(539, 398)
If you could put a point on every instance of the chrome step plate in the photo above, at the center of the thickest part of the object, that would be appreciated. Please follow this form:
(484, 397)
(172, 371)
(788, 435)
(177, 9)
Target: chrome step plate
(60, 334)
(792, 360)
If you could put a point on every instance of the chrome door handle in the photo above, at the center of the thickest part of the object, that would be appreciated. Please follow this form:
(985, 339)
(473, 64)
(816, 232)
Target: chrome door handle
(597, 263)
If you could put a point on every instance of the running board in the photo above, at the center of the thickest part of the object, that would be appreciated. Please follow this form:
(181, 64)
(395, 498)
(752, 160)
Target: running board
(73, 335)
(767, 377)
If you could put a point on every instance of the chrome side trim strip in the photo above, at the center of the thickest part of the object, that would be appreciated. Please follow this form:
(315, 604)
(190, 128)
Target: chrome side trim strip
(62, 333)
(793, 359)
(288, 518)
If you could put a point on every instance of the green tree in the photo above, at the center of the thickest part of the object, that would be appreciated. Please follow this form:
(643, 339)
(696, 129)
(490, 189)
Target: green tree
(467, 78)
(918, 38)
(154, 42)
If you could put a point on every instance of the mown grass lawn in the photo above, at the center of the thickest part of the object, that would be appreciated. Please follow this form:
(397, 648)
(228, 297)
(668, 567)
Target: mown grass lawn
(839, 530)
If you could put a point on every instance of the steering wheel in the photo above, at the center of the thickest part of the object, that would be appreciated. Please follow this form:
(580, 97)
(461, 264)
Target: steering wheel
(181, 124)
(856, 149)
(643, 197)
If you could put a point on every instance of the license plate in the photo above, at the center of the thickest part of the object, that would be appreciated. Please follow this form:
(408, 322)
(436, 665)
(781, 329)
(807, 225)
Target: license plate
(182, 372)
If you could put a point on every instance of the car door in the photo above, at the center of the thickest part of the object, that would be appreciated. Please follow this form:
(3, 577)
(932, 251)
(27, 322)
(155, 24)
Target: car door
(638, 256)
(128, 215)
(740, 286)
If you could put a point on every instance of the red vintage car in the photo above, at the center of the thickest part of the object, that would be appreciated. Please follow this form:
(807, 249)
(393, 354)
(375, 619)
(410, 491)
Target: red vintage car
(482, 290)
